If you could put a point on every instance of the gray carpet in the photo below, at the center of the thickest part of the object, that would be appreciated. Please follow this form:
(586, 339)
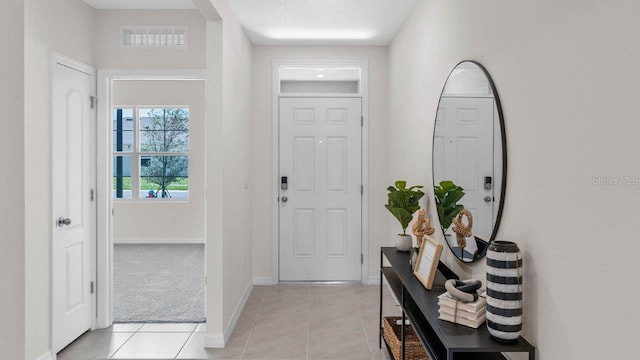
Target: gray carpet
(158, 283)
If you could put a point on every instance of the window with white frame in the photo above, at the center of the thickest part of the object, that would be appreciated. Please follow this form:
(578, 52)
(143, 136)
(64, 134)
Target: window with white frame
(151, 153)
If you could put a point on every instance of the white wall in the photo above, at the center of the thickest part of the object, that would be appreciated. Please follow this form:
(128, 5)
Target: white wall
(12, 215)
(177, 220)
(49, 26)
(566, 72)
(262, 162)
(109, 54)
(228, 133)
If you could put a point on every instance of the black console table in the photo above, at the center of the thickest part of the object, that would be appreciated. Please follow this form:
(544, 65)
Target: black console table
(441, 339)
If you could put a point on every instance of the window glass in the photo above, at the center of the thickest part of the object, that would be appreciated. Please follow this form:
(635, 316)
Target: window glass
(164, 177)
(164, 130)
(156, 143)
(122, 177)
(123, 130)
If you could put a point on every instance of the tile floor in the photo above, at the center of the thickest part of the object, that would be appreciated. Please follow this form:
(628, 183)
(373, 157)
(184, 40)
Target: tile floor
(301, 322)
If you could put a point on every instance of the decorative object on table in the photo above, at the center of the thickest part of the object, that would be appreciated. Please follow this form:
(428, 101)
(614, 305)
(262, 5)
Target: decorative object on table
(470, 314)
(463, 290)
(422, 226)
(392, 332)
(462, 231)
(504, 291)
(414, 258)
(427, 263)
(447, 195)
(402, 203)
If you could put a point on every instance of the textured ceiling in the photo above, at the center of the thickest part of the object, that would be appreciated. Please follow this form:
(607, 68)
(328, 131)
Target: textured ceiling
(331, 22)
(301, 22)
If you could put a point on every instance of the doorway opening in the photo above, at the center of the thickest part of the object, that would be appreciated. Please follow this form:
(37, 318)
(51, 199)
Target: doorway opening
(155, 185)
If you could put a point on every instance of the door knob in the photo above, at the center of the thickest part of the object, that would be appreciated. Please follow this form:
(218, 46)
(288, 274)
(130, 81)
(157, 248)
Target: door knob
(63, 221)
(284, 199)
(488, 198)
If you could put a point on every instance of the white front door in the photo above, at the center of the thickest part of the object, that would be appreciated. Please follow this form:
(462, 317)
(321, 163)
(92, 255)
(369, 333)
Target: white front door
(463, 153)
(72, 206)
(320, 210)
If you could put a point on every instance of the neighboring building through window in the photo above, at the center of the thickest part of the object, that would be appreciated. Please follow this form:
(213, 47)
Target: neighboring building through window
(151, 153)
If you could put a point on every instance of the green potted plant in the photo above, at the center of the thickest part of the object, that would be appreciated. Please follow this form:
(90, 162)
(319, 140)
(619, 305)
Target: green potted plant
(447, 195)
(402, 203)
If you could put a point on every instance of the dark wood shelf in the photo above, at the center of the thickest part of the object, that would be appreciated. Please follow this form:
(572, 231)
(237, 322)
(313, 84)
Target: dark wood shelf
(441, 339)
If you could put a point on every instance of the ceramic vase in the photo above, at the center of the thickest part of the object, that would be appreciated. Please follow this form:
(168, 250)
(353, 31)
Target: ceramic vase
(403, 242)
(504, 291)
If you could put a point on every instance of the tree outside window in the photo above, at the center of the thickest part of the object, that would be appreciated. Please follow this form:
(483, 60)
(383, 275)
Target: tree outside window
(164, 131)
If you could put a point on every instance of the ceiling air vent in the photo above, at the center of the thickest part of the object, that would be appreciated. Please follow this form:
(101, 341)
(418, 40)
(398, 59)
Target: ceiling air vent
(154, 37)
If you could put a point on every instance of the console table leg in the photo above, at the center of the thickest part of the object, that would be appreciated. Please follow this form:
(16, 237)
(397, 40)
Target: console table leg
(532, 354)
(380, 318)
(403, 326)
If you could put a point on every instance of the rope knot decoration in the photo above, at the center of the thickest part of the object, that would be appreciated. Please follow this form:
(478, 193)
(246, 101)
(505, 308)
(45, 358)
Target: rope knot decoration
(462, 231)
(422, 226)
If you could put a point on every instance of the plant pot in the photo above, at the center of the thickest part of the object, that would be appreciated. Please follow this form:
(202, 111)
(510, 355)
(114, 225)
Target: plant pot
(404, 242)
(504, 291)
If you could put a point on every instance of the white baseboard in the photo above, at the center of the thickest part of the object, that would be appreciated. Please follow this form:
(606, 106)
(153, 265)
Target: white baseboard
(213, 340)
(144, 241)
(46, 356)
(373, 280)
(263, 280)
(218, 340)
(237, 311)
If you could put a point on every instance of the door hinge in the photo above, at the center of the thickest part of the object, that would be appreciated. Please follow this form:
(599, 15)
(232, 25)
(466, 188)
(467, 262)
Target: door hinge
(361, 189)
(362, 120)
(361, 259)
(91, 195)
(93, 100)
(92, 287)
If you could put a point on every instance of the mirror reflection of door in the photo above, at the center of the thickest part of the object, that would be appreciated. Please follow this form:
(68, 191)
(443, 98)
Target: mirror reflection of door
(463, 153)
(467, 150)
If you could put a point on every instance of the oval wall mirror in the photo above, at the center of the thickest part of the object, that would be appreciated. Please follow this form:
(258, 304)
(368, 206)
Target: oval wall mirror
(469, 161)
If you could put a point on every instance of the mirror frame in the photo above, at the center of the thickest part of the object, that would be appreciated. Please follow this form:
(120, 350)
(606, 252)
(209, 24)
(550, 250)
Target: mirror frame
(503, 138)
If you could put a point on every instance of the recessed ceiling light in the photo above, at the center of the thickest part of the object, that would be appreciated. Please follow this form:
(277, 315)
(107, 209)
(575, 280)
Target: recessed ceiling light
(320, 34)
(320, 76)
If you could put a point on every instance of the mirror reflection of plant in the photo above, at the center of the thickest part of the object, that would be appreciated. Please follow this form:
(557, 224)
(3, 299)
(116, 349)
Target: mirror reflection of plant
(403, 202)
(447, 195)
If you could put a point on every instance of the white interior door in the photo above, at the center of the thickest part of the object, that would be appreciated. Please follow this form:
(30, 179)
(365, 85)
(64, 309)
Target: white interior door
(320, 211)
(463, 153)
(72, 207)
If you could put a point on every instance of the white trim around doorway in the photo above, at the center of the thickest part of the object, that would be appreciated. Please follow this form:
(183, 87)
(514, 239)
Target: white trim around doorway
(104, 283)
(276, 95)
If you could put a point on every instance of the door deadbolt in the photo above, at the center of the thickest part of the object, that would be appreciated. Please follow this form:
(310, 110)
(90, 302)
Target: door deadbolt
(488, 198)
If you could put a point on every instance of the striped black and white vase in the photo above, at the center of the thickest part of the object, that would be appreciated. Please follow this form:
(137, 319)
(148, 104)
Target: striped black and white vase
(504, 291)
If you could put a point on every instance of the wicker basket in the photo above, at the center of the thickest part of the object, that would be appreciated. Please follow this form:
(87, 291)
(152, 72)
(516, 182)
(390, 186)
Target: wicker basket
(392, 335)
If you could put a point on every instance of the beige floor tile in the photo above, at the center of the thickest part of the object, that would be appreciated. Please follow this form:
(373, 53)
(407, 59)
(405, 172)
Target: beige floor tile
(336, 322)
(125, 327)
(339, 345)
(99, 344)
(155, 346)
(202, 327)
(287, 322)
(194, 349)
(169, 327)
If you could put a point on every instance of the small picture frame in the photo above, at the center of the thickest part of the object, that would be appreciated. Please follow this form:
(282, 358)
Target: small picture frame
(427, 262)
